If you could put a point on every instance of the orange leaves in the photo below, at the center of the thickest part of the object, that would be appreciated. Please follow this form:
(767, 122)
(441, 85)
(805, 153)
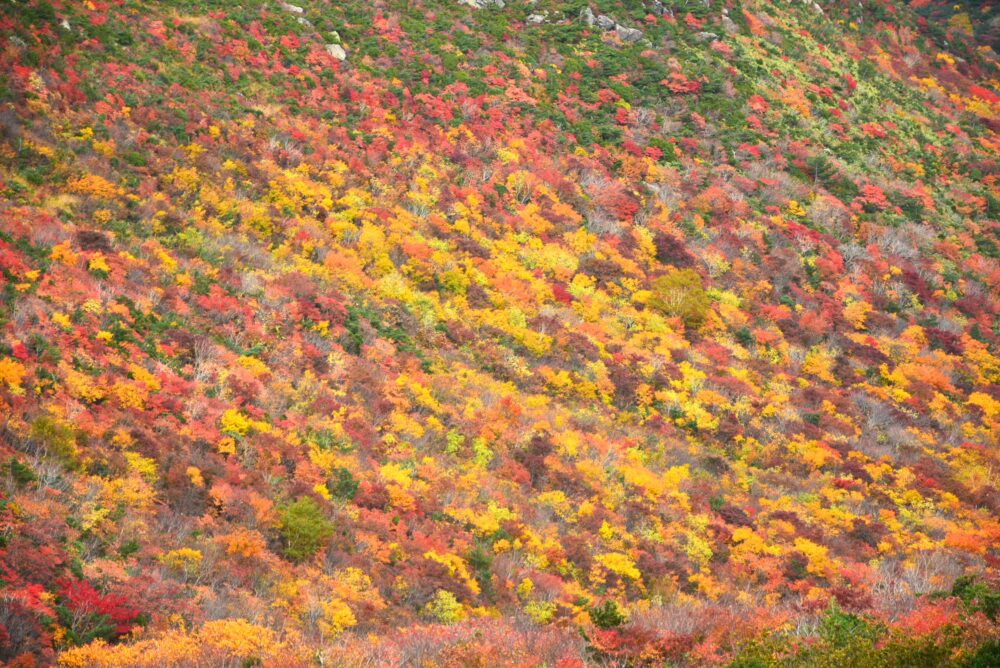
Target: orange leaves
(245, 544)
(793, 96)
(94, 185)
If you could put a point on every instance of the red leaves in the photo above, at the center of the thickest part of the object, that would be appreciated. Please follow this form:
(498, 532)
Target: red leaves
(639, 644)
(81, 599)
(679, 84)
(691, 22)
(873, 130)
(873, 197)
(984, 94)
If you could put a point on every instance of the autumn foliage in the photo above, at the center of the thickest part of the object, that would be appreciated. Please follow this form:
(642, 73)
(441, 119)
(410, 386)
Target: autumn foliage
(446, 333)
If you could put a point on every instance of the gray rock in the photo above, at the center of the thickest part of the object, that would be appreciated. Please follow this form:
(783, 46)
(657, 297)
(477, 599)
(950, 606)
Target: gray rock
(707, 36)
(587, 16)
(536, 19)
(657, 8)
(606, 22)
(294, 9)
(729, 25)
(479, 4)
(628, 34)
(337, 51)
(304, 21)
(64, 24)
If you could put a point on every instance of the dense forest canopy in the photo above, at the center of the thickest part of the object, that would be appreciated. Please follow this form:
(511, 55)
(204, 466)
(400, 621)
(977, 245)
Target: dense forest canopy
(556, 333)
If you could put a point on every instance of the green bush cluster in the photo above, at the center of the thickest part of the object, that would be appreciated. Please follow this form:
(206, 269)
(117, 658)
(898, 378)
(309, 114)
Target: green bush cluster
(303, 528)
(680, 294)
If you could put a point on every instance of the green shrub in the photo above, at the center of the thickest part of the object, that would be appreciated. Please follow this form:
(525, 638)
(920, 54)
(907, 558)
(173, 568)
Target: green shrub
(304, 528)
(445, 608)
(21, 473)
(680, 294)
(55, 438)
(607, 615)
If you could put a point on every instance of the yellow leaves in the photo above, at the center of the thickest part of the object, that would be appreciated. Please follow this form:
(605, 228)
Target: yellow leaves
(558, 502)
(652, 484)
(184, 178)
(79, 385)
(98, 264)
(706, 585)
(394, 473)
(238, 637)
(580, 240)
(226, 446)
(819, 362)
(818, 561)
(194, 475)
(507, 156)
(456, 568)
(144, 466)
(353, 586)
(133, 491)
(337, 618)
(568, 443)
(373, 249)
(541, 612)
(168, 263)
(62, 320)
(620, 564)
(482, 455)
(253, 365)
(294, 189)
(129, 395)
(525, 588)
(747, 543)
(815, 453)
(698, 550)
(12, 373)
(420, 393)
(184, 559)
(445, 608)
(105, 148)
(236, 423)
(560, 382)
(94, 518)
(979, 357)
(553, 259)
(989, 405)
(855, 312)
(795, 209)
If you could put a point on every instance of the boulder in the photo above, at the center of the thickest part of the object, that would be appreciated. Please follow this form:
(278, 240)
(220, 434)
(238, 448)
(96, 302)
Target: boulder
(629, 35)
(337, 51)
(605, 22)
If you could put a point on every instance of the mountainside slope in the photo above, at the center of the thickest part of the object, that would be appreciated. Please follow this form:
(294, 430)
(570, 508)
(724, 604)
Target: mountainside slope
(498, 333)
